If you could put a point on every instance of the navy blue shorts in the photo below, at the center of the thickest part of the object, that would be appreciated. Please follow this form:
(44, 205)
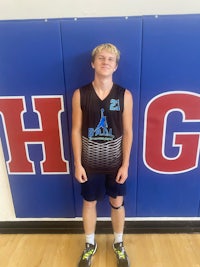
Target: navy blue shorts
(99, 185)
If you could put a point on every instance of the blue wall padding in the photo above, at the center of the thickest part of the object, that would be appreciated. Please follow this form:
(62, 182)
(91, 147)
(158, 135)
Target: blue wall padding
(170, 63)
(160, 61)
(32, 64)
(78, 39)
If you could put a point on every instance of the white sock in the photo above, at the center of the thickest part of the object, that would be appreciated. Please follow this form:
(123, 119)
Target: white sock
(89, 239)
(118, 237)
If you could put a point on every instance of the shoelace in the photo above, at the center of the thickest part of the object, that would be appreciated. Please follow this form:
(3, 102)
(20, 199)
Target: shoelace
(120, 253)
(87, 254)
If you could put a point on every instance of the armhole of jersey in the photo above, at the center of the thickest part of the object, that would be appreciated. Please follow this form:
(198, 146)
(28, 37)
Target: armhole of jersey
(123, 97)
(81, 98)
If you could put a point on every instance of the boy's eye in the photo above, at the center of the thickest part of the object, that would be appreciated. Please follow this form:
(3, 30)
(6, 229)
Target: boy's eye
(111, 59)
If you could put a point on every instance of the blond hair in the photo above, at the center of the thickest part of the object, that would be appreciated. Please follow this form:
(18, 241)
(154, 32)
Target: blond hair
(109, 47)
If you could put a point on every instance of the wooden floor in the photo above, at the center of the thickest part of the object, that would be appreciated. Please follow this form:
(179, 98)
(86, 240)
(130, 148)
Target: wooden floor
(63, 250)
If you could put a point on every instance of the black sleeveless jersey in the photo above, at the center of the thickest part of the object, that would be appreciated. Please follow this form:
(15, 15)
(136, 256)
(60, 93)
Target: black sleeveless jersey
(102, 129)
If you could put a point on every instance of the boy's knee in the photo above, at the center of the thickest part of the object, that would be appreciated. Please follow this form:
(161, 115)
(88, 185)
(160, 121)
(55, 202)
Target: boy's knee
(89, 204)
(117, 206)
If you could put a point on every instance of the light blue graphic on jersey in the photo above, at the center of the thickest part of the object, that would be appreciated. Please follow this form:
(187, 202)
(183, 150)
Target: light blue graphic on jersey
(114, 105)
(101, 132)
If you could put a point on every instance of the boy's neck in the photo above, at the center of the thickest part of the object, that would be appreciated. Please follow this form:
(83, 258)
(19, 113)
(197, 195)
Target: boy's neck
(102, 88)
(102, 84)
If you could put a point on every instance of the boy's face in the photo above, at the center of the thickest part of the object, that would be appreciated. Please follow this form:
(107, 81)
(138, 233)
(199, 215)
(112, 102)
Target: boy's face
(105, 63)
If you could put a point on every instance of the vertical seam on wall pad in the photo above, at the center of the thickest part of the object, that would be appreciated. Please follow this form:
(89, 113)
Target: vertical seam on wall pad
(139, 121)
(67, 114)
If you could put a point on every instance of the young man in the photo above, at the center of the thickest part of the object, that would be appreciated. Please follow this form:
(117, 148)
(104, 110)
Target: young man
(101, 141)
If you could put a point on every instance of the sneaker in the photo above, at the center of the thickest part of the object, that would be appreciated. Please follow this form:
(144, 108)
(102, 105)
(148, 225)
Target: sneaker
(122, 258)
(87, 254)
